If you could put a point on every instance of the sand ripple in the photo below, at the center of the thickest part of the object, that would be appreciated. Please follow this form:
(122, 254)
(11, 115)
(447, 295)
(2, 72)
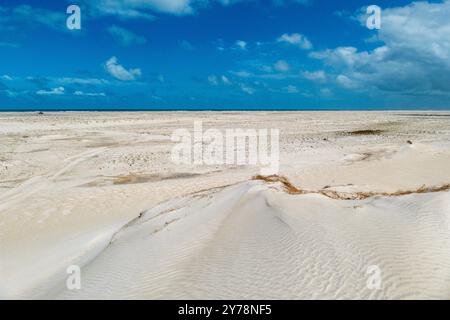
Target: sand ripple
(253, 242)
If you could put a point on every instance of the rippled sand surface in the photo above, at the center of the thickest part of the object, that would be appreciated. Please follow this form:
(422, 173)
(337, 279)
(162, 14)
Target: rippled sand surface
(99, 190)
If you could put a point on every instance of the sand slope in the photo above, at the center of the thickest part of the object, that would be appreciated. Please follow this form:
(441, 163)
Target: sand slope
(253, 242)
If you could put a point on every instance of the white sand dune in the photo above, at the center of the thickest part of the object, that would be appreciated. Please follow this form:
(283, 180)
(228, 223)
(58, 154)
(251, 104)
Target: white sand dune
(98, 190)
(253, 242)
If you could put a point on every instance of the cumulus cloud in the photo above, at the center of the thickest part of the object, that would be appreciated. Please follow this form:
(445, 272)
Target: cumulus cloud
(89, 94)
(146, 9)
(116, 70)
(421, 27)
(346, 82)
(52, 92)
(125, 37)
(295, 39)
(282, 66)
(317, 76)
(414, 57)
(240, 44)
(83, 81)
(139, 9)
(213, 80)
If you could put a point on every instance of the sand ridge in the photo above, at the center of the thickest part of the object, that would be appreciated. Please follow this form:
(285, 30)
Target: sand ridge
(265, 244)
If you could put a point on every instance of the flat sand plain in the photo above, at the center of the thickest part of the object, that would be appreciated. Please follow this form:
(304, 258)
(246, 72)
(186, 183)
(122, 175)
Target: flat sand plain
(363, 210)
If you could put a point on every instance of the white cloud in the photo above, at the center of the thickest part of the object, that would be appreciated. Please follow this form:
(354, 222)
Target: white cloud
(119, 72)
(51, 92)
(346, 82)
(317, 76)
(83, 81)
(145, 9)
(267, 69)
(414, 57)
(225, 80)
(6, 77)
(242, 74)
(291, 89)
(277, 76)
(89, 94)
(282, 66)
(247, 89)
(125, 37)
(140, 9)
(240, 44)
(422, 27)
(213, 80)
(296, 39)
(350, 57)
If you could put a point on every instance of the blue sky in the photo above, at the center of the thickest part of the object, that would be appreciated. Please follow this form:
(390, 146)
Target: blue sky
(232, 54)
